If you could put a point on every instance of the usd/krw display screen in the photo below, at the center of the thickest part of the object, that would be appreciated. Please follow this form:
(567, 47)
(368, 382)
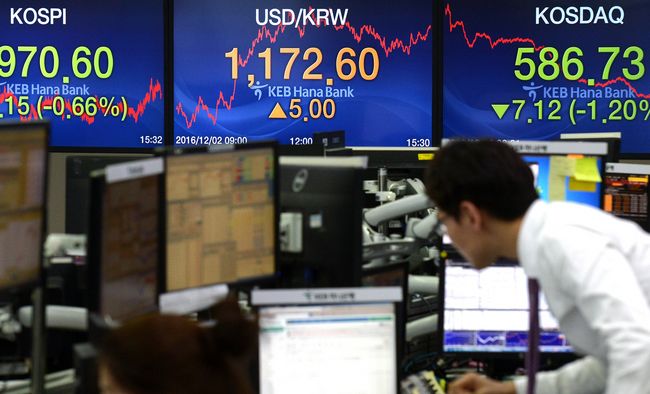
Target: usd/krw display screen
(251, 69)
(535, 69)
(93, 68)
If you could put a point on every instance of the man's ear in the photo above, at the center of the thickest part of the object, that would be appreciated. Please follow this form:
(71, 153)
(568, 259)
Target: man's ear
(470, 213)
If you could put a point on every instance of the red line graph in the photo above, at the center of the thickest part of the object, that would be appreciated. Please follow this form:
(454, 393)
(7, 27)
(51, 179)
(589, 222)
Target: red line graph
(357, 35)
(155, 90)
(264, 33)
(616, 80)
(493, 42)
(518, 40)
(134, 112)
(201, 106)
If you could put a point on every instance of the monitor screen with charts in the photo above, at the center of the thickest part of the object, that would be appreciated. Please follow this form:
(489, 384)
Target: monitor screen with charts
(221, 216)
(328, 340)
(487, 311)
(534, 70)
(23, 150)
(626, 192)
(242, 75)
(123, 247)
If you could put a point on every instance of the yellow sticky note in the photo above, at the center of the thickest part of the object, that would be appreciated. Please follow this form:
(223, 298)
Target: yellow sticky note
(562, 165)
(559, 169)
(581, 186)
(425, 156)
(557, 187)
(586, 170)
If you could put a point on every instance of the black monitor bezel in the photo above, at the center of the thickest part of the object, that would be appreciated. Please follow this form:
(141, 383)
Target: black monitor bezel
(216, 149)
(15, 290)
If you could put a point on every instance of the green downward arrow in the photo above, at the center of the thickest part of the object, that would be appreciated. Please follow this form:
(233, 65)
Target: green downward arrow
(500, 109)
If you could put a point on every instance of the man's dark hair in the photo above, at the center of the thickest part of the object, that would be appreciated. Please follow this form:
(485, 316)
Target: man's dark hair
(488, 173)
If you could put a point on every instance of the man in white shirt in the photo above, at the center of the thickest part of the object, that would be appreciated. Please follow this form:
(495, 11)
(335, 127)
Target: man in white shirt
(593, 268)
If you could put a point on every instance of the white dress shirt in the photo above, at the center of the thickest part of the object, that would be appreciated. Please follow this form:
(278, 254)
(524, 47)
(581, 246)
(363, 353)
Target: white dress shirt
(594, 271)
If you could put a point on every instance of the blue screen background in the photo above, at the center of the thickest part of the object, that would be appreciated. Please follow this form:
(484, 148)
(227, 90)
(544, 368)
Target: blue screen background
(386, 111)
(543, 162)
(133, 30)
(477, 75)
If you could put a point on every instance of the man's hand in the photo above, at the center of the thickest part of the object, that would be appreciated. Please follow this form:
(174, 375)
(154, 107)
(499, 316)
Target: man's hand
(472, 383)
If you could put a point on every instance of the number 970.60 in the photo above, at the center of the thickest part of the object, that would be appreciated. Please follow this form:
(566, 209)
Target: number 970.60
(84, 61)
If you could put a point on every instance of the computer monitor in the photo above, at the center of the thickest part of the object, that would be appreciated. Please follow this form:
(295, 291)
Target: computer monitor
(369, 72)
(123, 241)
(221, 224)
(502, 68)
(95, 72)
(23, 173)
(563, 170)
(324, 199)
(568, 191)
(486, 312)
(566, 170)
(626, 192)
(337, 340)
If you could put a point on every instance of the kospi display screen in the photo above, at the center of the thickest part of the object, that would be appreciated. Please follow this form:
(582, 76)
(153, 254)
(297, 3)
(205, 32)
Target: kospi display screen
(252, 69)
(527, 70)
(93, 68)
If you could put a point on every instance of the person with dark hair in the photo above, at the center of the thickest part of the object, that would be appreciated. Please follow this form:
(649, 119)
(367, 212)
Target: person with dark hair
(165, 354)
(593, 268)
